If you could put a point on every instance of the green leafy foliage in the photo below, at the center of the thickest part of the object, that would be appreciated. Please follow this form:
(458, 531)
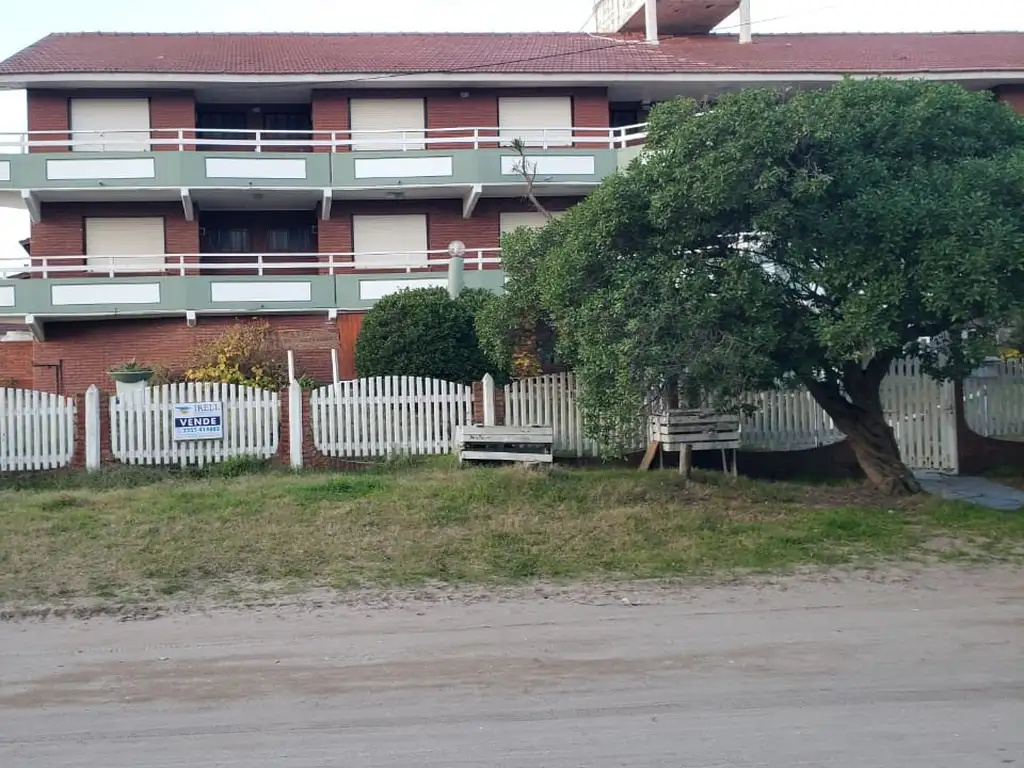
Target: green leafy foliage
(812, 237)
(424, 333)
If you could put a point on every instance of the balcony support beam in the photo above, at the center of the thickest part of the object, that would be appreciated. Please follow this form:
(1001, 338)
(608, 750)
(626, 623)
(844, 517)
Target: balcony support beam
(36, 328)
(471, 199)
(186, 204)
(31, 202)
(325, 204)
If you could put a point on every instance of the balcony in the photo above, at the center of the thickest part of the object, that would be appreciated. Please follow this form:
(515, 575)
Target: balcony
(43, 288)
(227, 168)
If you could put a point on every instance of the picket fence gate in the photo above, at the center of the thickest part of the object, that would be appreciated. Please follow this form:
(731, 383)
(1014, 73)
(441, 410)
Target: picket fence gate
(37, 430)
(141, 424)
(389, 415)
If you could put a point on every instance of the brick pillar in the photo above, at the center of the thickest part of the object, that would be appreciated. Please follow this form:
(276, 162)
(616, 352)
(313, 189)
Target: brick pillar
(281, 458)
(330, 114)
(478, 404)
(78, 456)
(48, 111)
(106, 449)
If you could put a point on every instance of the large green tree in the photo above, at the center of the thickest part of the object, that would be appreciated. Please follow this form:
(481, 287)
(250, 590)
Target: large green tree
(809, 237)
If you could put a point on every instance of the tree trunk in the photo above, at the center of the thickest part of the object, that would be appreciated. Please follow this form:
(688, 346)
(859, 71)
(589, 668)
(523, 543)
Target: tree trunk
(860, 417)
(874, 445)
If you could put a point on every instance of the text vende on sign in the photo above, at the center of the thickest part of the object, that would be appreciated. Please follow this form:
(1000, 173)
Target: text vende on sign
(198, 421)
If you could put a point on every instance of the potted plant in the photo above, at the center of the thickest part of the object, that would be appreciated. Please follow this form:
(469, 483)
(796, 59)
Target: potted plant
(131, 372)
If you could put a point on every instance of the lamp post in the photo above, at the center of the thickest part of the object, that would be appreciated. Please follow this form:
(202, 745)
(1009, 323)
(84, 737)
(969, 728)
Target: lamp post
(456, 253)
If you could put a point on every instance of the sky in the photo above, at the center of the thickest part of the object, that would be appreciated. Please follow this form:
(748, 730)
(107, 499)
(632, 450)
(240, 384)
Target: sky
(24, 23)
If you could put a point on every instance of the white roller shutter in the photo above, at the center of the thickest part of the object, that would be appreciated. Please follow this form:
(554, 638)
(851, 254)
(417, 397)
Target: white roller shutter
(394, 240)
(533, 219)
(137, 245)
(124, 123)
(389, 124)
(541, 121)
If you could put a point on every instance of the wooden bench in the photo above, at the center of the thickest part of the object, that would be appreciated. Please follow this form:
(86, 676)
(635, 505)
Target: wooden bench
(527, 445)
(693, 430)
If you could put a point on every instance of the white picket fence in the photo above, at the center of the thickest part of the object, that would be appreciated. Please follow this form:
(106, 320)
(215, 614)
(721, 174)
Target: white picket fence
(918, 408)
(550, 401)
(994, 400)
(389, 415)
(37, 430)
(141, 424)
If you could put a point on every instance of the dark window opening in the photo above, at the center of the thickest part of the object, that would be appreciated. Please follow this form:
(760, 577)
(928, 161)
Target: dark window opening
(290, 240)
(226, 240)
(219, 126)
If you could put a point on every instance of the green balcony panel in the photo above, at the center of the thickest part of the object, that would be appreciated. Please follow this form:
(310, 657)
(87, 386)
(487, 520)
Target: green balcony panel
(101, 297)
(413, 168)
(260, 169)
(92, 170)
(560, 166)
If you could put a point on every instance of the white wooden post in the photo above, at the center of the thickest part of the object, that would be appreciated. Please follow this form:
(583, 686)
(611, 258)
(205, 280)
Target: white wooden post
(334, 365)
(295, 423)
(489, 418)
(92, 429)
(291, 366)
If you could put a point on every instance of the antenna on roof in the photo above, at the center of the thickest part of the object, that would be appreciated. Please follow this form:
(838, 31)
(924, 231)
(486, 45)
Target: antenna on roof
(746, 34)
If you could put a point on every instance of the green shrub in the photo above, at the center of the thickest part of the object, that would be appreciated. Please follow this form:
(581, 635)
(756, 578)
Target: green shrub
(423, 333)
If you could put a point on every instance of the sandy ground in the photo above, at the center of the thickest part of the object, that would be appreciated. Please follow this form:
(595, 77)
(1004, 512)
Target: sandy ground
(864, 670)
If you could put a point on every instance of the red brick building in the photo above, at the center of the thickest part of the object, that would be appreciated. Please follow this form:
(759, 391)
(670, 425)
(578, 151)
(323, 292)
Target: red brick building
(176, 182)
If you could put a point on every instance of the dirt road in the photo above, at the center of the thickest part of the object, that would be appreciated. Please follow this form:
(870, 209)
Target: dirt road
(798, 673)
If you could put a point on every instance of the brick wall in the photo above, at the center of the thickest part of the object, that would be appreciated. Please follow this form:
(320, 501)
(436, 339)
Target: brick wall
(48, 111)
(330, 113)
(61, 231)
(444, 220)
(16, 364)
(450, 109)
(86, 350)
(1012, 95)
(172, 111)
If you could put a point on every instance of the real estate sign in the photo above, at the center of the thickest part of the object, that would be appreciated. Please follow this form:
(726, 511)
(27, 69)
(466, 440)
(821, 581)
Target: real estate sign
(198, 421)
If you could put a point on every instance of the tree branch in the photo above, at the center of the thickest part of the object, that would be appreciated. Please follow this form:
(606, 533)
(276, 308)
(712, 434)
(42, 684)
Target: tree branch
(522, 167)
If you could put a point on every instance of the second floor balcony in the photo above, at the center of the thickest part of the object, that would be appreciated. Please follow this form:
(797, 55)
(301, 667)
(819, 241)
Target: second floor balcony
(448, 162)
(42, 289)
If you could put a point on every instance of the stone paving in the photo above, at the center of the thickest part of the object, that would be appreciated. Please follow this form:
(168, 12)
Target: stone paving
(977, 490)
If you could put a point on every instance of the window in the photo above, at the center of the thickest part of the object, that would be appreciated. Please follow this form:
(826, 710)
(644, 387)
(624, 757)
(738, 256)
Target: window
(544, 121)
(124, 245)
(510, 222)
(388, 124)
(226, 240)
(298, 124)
(110, 125)
(390, 240)
(218, 126)
(290, 240)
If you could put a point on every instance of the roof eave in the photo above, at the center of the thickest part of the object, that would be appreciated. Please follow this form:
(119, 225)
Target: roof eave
(76, 80)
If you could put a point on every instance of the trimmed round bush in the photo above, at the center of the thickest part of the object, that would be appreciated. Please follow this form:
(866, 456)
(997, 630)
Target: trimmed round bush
(422, 333)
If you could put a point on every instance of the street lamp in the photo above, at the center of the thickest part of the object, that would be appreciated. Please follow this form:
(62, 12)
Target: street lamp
(456, 250)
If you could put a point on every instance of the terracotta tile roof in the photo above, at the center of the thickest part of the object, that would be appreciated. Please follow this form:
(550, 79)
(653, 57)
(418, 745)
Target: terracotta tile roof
(306, 54)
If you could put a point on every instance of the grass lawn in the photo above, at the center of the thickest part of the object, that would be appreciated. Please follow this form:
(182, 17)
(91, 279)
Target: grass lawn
(141, 535)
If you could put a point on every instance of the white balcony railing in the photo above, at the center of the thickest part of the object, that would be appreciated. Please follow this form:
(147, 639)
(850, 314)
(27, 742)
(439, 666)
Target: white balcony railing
(190, 139)
(260, 264)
